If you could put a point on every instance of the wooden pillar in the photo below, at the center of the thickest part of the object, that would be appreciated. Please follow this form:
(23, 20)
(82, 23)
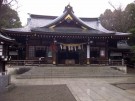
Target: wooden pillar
(54, 57)
(88, 54)
(2, 66)
(106, 50)
(27, 49)
(54, 51)
(27, 52)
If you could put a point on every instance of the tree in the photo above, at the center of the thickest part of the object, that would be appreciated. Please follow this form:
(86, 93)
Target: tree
(130, 15)
(8, 2)
(9, 18)
(122, 21)
(1, 2)
(119, 20)
(131, 40)
(113, 20)
(106, 19)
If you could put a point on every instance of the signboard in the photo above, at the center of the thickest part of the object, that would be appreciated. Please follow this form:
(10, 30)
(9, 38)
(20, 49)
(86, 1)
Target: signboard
(49, 54)
(13, 53)
(102, 53)
(115, 54)
(122, 44)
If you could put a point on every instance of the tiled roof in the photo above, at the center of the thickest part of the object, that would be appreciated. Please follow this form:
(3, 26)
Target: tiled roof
(42, 22)
(2, 37)
(67, 30)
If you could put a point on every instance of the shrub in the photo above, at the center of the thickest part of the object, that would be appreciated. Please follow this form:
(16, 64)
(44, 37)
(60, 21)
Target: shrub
(22, 70)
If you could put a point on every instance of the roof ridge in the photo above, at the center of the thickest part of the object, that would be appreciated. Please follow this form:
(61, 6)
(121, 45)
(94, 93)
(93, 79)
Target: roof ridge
(53, 17)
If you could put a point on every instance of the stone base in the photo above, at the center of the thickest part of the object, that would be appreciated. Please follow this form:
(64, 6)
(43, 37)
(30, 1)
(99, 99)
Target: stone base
(10, 87)
(5, 83)
(54, 62)
(88, 61)
(7, 88)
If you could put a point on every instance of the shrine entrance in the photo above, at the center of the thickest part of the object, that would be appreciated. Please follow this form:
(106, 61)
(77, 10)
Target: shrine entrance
(68, 57)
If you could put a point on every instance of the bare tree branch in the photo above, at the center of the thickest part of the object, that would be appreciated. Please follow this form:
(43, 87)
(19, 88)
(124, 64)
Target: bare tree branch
(12, 1)
(1, 1)
(8, 3)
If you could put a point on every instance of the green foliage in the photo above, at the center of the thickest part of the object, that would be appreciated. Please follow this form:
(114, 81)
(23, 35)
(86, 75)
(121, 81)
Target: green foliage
(122, 21)
(9, 18)
(106, 19)
(130, 15)
(119, 20)
(132, 56)
(113, 20)
(22, 70)
(131, 40)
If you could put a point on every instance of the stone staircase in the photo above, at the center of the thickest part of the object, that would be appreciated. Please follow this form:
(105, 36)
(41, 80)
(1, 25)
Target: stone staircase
(71, 72)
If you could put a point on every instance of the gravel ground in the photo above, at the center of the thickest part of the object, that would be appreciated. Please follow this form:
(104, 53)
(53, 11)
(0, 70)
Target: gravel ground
(39, 93)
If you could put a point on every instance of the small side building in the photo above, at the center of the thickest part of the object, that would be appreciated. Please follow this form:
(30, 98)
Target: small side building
(5, 42)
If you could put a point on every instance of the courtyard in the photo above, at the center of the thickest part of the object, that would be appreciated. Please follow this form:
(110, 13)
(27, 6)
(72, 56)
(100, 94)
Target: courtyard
(94, 88)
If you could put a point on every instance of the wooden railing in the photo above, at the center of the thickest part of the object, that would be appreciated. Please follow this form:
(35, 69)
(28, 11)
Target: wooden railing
(110, 62)
(39, 62)
(24, 62)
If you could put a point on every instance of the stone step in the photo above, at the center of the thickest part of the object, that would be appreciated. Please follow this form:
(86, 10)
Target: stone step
(72, 71)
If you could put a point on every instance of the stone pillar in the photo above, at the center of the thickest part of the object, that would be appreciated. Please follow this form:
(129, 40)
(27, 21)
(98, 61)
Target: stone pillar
(5, 83)
(88, 54)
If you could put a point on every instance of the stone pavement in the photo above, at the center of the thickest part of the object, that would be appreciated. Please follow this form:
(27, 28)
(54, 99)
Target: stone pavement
(87, 89)
(38, 93)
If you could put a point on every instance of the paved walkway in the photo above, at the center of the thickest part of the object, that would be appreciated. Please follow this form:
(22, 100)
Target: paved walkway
(38, 93)
(87, 89)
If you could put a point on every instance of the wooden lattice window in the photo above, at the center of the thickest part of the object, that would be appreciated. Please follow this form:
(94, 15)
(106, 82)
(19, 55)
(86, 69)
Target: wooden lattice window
(31, 51)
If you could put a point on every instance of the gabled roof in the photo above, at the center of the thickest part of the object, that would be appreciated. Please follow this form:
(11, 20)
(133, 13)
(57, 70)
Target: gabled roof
(68, 16)
(69, 23)
(68, 30)
(43, 23)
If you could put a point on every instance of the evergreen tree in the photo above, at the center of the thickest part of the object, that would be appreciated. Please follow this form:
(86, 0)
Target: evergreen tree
(8, 17)
(119, 20)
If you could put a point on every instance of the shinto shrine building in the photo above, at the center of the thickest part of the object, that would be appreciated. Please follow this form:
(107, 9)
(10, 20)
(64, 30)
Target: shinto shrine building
(67, 39)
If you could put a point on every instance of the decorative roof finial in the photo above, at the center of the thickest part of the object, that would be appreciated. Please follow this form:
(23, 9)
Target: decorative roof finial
(68, 8)
(69, 4)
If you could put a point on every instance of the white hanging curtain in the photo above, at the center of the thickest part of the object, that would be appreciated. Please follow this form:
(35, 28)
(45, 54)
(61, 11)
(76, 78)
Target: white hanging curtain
(79, 47)
(64, 47)
(61, 47)
(71, 47)
(75, 48)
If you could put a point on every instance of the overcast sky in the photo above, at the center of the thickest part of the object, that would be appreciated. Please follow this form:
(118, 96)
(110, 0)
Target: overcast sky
(82, 8)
